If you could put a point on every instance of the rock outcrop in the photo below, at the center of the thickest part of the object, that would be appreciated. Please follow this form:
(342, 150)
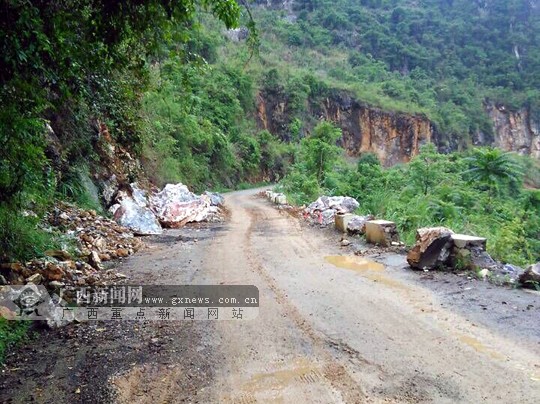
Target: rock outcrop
(514, 131)
(394, 137)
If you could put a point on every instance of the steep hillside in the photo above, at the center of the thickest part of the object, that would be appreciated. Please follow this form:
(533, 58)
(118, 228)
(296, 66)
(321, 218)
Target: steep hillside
(470, 67)
(95, 95)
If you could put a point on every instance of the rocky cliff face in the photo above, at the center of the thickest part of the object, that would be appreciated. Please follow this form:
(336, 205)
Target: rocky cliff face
(393, 137)
(514, 131)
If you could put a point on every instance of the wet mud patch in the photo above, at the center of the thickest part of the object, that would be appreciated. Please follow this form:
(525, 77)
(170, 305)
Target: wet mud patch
(81, 362)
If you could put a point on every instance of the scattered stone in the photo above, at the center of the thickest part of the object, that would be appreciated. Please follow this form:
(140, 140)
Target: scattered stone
(280, 199)
(56, 284)
(59, 254)
(12, 266)
(465, 241)
(3, 280)
(484, 273)
(274, 197)
(104, 257)
(512, 269)
(94, 259)
(345, 242)
(98, 239)
(469, 252)
(53, 272)
(381, 232)
(531, 277)
(36, 279)
(432, 248)
(122, 252)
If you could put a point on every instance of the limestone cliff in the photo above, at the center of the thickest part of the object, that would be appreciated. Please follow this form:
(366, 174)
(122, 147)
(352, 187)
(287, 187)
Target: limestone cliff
(394, 137)
(515, 130)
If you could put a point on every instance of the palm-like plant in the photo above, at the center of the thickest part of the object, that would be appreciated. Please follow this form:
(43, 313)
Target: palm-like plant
(493, 167)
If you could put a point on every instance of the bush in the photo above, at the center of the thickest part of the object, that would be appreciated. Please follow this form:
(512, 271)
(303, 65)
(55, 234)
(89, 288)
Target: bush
(11, 333)
(20, 236)
(300, 188)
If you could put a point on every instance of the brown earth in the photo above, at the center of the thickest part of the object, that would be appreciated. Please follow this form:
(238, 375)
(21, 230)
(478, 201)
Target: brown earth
(331, 329)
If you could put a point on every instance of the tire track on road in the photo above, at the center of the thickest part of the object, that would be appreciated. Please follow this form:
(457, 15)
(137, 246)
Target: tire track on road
(333, 371)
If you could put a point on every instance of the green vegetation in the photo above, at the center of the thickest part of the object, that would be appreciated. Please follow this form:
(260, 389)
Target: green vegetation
(11, 334)
(198, 128)
(177, 94)
(64, 66)
(442, 58)
(478, 192)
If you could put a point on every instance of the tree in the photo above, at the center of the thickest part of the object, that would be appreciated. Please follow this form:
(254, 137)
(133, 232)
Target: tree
(492, 168)
(72, 61)
(320, 151)
(426, 170)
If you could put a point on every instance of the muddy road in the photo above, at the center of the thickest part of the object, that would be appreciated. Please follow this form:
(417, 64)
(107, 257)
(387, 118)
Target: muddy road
(330, 329)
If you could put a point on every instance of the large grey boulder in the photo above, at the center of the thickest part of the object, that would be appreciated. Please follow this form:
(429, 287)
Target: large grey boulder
(531, 277)
(343, 204)
(324, 209)
(357, 224)
(140, 219)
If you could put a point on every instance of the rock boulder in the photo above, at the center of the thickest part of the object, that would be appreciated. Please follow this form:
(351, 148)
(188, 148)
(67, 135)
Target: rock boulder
(432, 248)
(175, 206)
(381, 232)
(531, 277)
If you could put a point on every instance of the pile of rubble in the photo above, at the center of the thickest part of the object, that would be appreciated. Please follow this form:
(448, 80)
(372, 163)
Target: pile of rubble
(172, 207)
(325, 208)
(97, 240)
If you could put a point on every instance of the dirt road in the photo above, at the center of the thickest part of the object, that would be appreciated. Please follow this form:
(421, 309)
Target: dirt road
(330, 330)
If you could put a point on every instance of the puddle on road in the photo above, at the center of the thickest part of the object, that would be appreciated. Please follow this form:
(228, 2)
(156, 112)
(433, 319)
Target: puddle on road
(354, 263)
(369, 269)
